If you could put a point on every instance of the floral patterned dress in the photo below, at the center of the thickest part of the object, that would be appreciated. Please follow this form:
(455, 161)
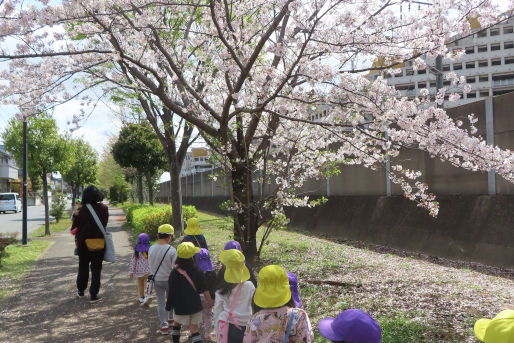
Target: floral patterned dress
(270, 325)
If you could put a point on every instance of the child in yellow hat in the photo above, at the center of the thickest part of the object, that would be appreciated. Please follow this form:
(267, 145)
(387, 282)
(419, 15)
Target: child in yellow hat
(186, 283)
(161, 258)
(233, 301)
(193, 234)
(500, 329)
(276, 319)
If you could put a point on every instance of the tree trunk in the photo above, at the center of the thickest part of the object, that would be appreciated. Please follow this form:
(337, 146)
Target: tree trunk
(150, 187)
(139, 178)
(176, 198)
(245, 221)
(45, 201)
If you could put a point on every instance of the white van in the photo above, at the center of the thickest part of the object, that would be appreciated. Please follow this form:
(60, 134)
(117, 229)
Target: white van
(10, 202)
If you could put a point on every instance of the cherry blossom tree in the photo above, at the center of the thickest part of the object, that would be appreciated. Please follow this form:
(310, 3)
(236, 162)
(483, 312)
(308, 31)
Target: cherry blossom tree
(276, 88)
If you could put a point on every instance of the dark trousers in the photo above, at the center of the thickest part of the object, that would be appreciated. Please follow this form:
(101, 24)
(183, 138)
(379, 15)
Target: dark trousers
(236, 335)
(83, 274)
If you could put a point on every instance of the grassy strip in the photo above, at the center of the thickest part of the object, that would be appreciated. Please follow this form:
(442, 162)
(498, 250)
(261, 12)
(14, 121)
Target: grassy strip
(17, 263)
(294, 250)
(62, 225)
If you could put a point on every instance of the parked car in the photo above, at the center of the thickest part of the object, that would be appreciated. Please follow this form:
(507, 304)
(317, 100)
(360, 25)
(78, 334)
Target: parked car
(10, 202)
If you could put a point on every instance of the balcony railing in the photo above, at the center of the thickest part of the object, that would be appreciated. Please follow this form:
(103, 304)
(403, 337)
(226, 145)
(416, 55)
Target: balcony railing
(506, 82)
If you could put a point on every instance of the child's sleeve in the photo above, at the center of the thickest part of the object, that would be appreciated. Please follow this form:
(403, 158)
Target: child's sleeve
(250, 334)
(132, 264)
(304, 332)
(200, 283)
(218, 308)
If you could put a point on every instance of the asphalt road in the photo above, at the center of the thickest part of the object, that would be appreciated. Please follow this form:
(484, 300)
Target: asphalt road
(12, 222)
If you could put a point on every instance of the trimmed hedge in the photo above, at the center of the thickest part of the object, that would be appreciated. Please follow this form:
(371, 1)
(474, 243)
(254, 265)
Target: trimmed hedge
(146, 218)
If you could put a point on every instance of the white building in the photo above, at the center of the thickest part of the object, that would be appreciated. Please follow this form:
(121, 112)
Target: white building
(488, 66)
(196, 161)
(8, 170)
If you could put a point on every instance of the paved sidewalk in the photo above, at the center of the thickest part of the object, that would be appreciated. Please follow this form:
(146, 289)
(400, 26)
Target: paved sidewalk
(45, 309)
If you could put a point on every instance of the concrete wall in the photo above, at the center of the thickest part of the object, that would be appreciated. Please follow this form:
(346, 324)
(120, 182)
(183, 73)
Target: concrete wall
(472, 228)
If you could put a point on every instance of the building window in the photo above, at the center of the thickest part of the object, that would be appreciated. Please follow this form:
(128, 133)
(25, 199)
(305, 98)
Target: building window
(482, 48)
(483, 63)
(420, 72)
(495, 47)
(471, 79)
(446, 83)
(508, 45)
(446, 97)
(409, 72)
(495, 32)
(446, 67)
(432, 84)
(471, 95)
(483, 78)
(509, 60)
(507, 29)
(470, 50)
(470, 65)
(496, 62)
(482, 33)
(484, 93)
(457, 66)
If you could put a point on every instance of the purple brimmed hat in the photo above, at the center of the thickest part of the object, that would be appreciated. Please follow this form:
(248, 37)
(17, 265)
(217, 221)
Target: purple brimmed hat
(232, 245)
(143, 243)
(295, 292)
(351, 326)
(203, 260)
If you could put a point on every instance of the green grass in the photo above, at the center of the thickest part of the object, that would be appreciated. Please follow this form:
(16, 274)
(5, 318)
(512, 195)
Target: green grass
(17, 262)
(326, 258)
(62, 225)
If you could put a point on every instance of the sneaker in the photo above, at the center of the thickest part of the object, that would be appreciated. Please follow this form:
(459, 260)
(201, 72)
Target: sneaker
(170, 322)
(141, 300)
(80, 294)
(164, 330)
(147, 300)
(95, 298)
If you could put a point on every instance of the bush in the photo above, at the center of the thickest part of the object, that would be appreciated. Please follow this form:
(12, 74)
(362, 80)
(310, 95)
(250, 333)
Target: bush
(148, 218)
(5, 241)
(58, 206)
(129, 208)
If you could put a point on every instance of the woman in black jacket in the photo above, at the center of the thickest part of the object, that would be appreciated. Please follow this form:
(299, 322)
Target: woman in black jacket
(89, 230)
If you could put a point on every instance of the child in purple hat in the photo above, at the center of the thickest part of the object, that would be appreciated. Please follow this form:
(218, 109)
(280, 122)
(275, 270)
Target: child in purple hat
(203, 260)
(351, 326)
(295, 290)
(139, 265)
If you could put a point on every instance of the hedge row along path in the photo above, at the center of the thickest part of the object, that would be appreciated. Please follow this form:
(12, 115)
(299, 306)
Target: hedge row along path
(45, 308)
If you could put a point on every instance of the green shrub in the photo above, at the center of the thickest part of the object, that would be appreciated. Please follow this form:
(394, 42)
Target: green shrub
(148, 219)
(129, 208)
(5, 241)
(58, 206)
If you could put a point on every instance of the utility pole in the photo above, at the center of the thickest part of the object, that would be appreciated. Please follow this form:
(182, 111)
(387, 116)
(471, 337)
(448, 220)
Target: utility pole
(24, 214)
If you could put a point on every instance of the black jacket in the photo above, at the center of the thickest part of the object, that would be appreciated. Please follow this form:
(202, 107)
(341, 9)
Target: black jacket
(87, 227)
(181, 296)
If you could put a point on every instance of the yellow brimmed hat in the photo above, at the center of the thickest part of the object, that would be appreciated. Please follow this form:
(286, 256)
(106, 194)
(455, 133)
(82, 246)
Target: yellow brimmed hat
(166, 228)
(235, 269)
(500, 329)
(272, 287)
(187, 250)
(192, 227)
